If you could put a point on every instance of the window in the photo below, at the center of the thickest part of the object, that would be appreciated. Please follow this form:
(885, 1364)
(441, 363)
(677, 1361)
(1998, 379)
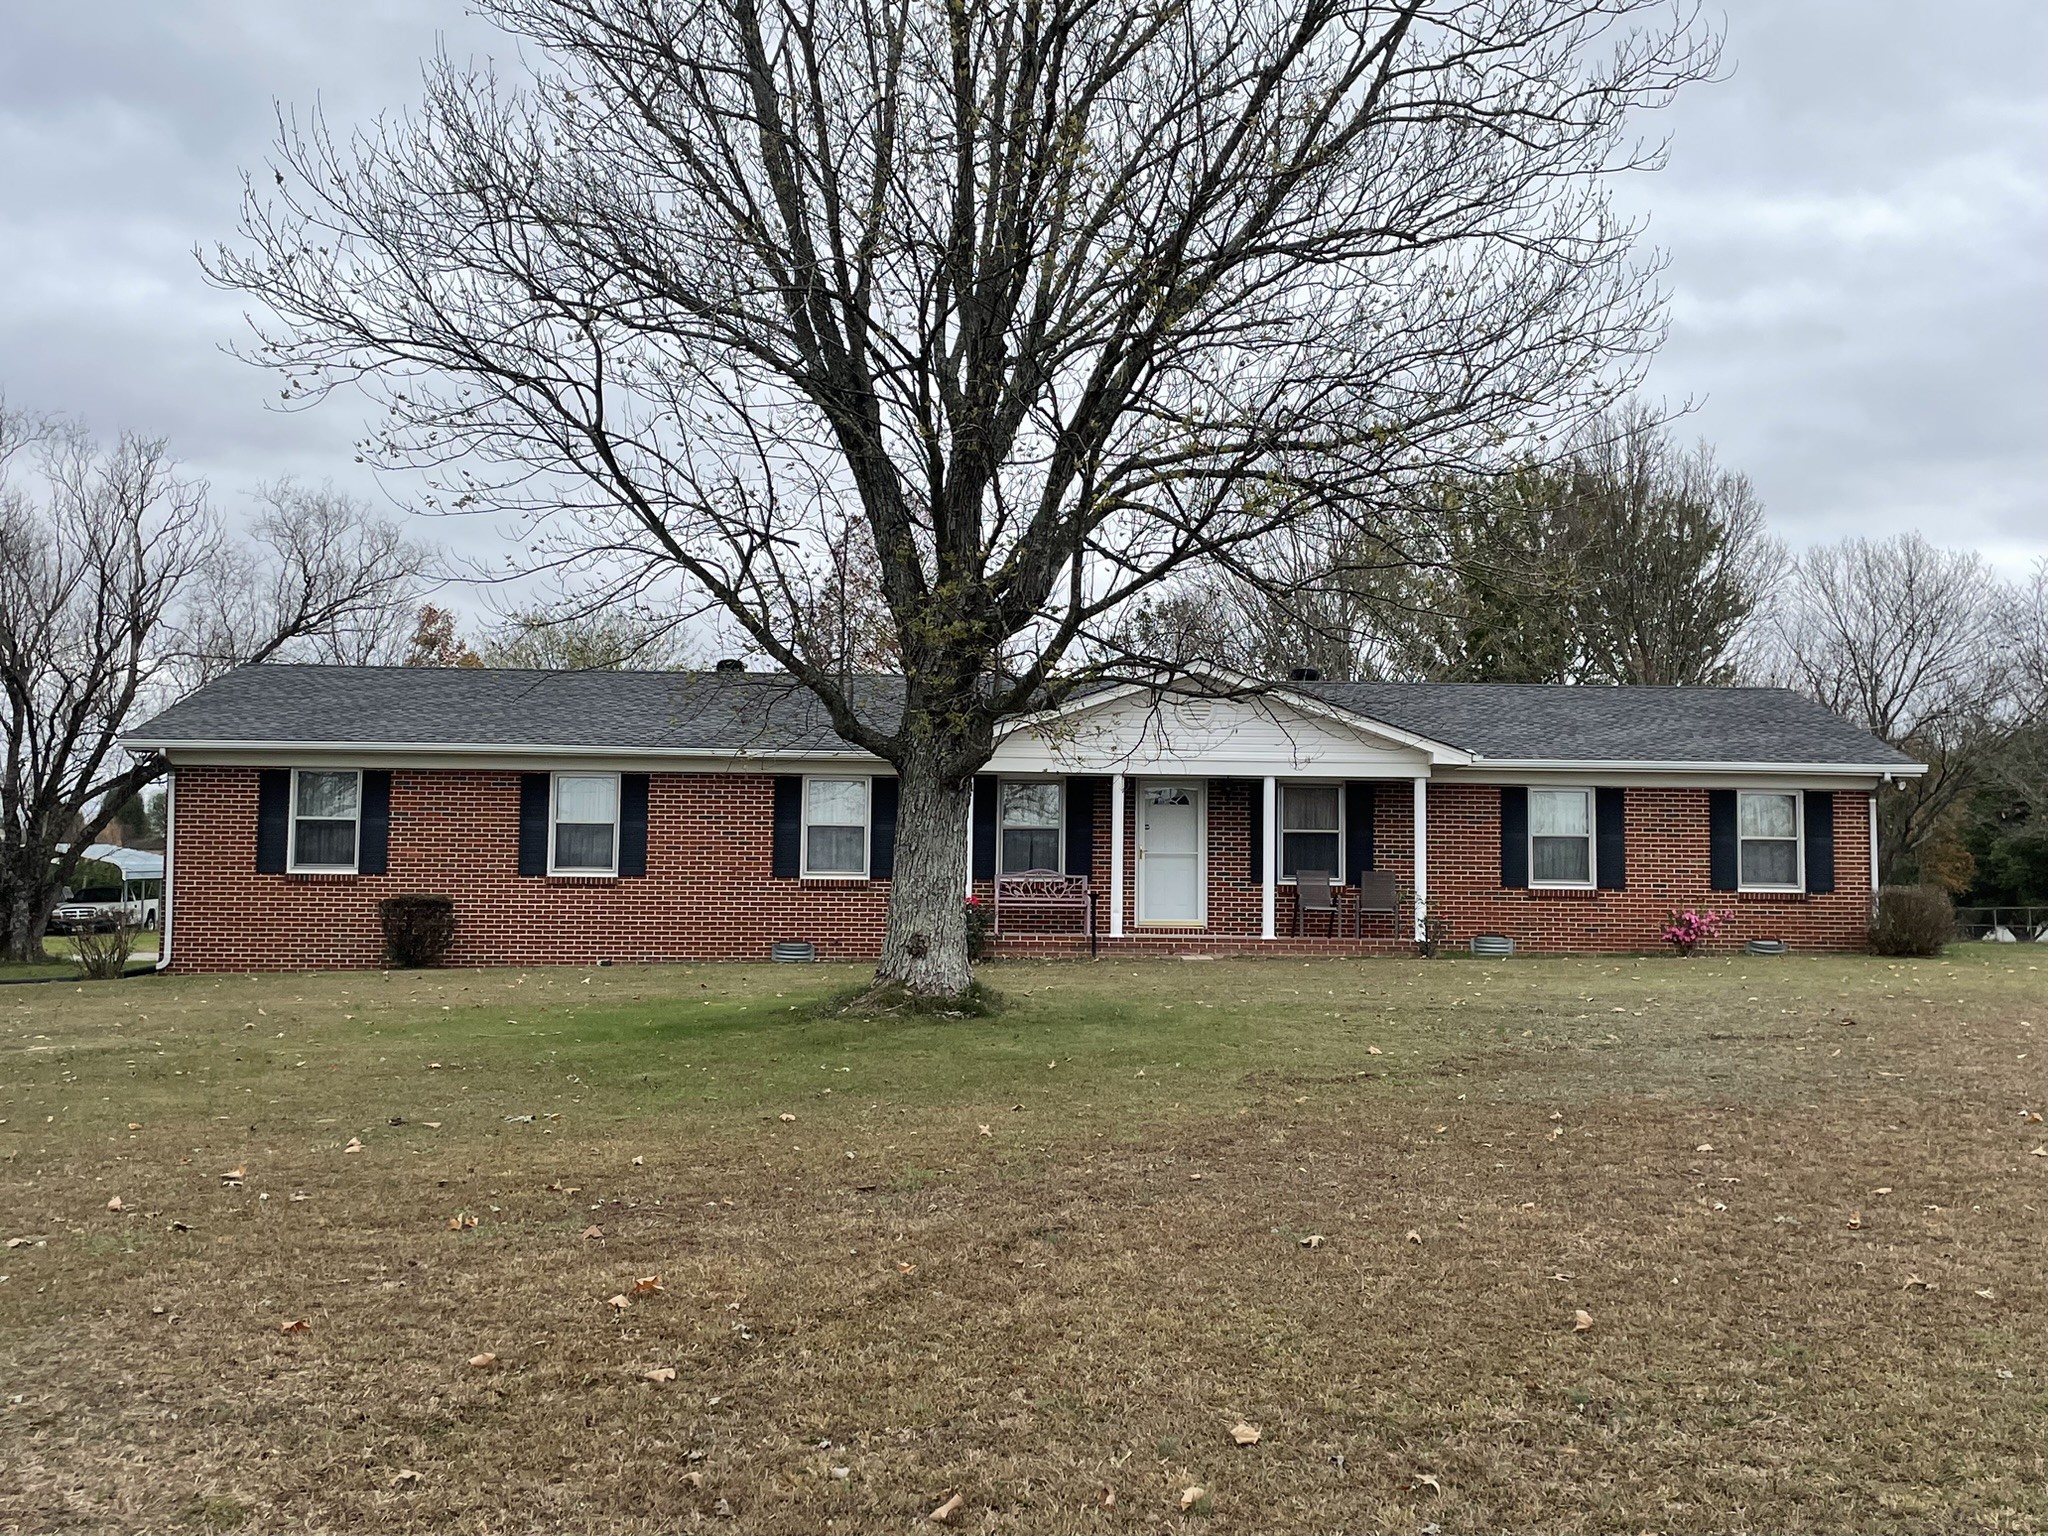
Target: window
(1768, 826)
(1031, 820)
(1311, 829)
(1560, 837)
(586, 824)
(326, 808)
(836, 827)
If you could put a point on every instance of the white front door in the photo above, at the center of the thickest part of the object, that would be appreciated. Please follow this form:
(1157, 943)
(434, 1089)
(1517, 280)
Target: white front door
(1170, 861)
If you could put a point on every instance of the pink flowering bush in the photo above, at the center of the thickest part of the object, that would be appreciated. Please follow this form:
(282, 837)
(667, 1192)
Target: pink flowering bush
(1687, 931)
(977, 928)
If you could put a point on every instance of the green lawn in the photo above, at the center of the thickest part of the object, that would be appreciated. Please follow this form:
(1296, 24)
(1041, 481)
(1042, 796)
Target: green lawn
(1036, 1260)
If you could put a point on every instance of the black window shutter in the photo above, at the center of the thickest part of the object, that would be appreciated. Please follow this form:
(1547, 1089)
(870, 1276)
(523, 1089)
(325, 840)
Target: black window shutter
(985, 812)
(632, 825)
(1724, 851)
(1514, 838)
(882, 830)
(273, 820)
(1820, 841)
(1610, 838)
(786, 856)
(1254, 816)
(1357, 828)
(533, 823)
(373, 856)
(1081, 825)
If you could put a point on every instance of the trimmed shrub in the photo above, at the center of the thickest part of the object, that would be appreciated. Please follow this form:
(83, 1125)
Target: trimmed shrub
(103, 956)
(417, 929)
(1912, 920)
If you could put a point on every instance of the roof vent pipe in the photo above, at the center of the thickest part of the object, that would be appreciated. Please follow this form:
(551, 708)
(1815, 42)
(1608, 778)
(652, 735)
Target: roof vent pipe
(731, 664)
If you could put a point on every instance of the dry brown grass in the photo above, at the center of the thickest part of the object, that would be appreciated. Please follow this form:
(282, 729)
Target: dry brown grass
(1088, 1297)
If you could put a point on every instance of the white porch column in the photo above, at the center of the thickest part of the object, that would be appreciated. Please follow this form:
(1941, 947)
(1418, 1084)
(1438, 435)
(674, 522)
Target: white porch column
(1873, 853)
(1116, 855)
(1270, 887)
(973, 788)
(1421, 856)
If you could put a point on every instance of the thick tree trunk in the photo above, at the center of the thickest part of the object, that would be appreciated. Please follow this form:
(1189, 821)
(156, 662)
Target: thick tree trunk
(924, 950)
(24, 915)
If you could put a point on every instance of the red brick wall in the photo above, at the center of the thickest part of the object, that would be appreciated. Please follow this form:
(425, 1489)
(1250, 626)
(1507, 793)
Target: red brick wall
(708, 893)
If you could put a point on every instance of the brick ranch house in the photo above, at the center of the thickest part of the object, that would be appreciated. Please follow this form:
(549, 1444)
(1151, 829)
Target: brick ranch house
(629, 816)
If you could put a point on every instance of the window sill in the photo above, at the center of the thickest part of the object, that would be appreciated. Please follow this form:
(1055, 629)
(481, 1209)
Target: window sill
(321, 876)
(836, 879)
(1563, 893)
(1759, 895)
(571, 877)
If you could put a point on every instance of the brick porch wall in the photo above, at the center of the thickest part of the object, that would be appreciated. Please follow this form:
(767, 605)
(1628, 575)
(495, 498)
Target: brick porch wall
(708, 893)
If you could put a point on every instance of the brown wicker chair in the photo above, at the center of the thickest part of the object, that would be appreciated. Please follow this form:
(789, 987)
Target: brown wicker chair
(1378, 894)
(1312, 894)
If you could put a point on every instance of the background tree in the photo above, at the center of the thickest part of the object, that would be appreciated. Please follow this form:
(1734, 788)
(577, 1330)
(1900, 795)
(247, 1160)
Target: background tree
(2007, 829)
(1908, 641)
(119, 587)
(581, 640)
(1627, 559)
(1055, 298)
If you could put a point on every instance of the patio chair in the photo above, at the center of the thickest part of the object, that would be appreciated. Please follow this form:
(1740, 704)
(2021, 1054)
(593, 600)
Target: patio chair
(1378, 894)
(1312, 893)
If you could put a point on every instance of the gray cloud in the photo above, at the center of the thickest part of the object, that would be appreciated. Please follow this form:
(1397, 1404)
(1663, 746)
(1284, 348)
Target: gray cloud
(1854, 224)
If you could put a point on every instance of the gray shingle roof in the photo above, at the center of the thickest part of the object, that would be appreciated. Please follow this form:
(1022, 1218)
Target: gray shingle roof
(502, 707)
(1526, 721)
(752, 712)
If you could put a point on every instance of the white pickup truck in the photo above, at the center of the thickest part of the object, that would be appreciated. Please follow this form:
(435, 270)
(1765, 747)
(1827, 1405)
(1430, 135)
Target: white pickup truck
(102, 908)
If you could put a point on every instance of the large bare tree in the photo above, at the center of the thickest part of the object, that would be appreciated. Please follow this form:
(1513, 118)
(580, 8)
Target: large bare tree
(1055, 297)
(1910, 642)
(120, 586)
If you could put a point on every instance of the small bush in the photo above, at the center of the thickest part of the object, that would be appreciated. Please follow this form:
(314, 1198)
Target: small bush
(103, 956)
(1912, 920)
(417, 929)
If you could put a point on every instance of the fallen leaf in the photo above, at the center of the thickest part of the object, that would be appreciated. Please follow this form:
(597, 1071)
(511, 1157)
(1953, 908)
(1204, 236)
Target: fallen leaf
(136, 1125)
(593, 1234)
(903, 1268)
(985, 1130)
(1414, 1236)
(1372, 1050)
(659, 1373)
(1190, 1497)
(115, 1204)
(459, 1223)
(1428, 1480)
(787, 1119)
(2039, 1152)
(619, 1303)
(1988, 1295)
(1244, 1434)
(1582, 1321)
(355, 1144)
(235, 1175)
(1314, 1240)
(1109, 1498)
(405, 1477)
(1915, 1283)
(693, 1479)
(484, 1361)
(639, 1162)
(432, 1125)
(841, 1474)
(296, 1325)
(1855, 1222)
(944, 1514)
(1882, 1189)
(647, 1285)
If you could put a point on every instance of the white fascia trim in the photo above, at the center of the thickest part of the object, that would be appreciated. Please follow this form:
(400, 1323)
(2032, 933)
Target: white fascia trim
(1251, 689)
(271, 751)
(1660, 765)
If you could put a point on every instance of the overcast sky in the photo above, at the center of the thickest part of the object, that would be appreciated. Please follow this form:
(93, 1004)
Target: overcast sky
(1856, 223)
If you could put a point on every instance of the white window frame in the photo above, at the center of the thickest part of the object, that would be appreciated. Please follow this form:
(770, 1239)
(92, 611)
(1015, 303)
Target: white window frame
(292, 864)
(1592, 880)
(555, 824)
(1798, 798)
(1337, 876)
(1003, 826)
(867, 841)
